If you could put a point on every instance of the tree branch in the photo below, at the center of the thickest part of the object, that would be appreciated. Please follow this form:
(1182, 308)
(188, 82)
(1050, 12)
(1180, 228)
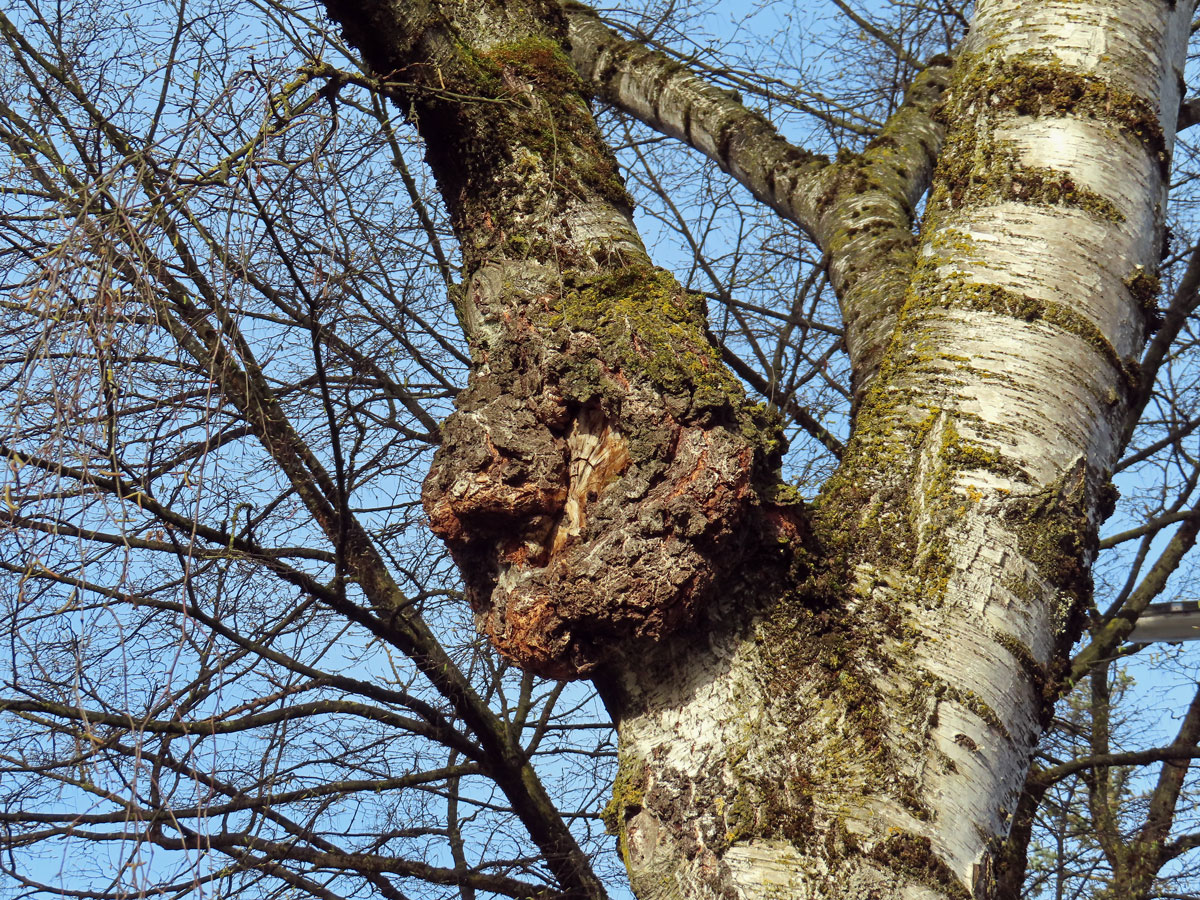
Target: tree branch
(1107, 639)
(859, 209)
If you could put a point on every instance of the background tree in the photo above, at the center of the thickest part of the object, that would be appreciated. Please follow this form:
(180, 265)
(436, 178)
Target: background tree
(238, 663)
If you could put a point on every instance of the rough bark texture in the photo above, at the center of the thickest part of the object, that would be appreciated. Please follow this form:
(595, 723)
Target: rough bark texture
(826, 703)
(599, 472)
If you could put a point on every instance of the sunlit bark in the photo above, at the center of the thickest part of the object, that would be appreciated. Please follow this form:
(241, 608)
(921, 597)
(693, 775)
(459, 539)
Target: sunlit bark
(814, 700)
(847, 705)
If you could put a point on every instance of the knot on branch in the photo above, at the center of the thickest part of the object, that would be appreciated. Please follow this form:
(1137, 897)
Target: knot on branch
(594, 483)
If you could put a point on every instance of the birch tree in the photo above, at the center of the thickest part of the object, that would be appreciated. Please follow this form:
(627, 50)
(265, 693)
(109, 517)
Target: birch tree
(814, 696)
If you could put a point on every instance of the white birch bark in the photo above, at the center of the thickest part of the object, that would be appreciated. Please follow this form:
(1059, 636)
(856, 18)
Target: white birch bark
(897, 729)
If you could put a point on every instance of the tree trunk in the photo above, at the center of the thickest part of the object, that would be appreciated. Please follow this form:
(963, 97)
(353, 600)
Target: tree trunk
(826, 702)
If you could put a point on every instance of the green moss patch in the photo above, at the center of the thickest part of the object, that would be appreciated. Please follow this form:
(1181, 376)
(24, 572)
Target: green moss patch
(629, 791)
(1039, 85)
(954, 292)
(647, 324)
(973, 178)
(538, 60)
(562, 132)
